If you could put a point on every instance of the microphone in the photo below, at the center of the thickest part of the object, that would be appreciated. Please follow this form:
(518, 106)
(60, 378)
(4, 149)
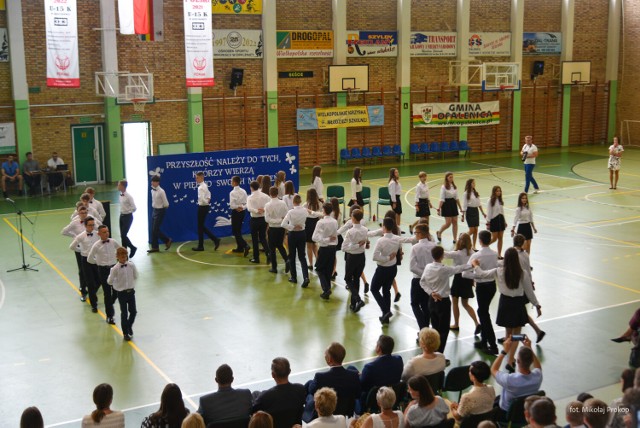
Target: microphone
(9, 200)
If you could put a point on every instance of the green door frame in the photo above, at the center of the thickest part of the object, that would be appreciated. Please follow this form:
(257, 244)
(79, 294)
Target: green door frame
(149, 152)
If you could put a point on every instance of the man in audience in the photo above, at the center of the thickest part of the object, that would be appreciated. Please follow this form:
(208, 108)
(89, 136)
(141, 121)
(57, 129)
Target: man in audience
(573, 415)
(345, 382)
(525, 381)
(285, 401)
(542, 413)
(595, 413)
(631, 399)
(384, 370)
(32, 175)
(55, 179)
(528, 402)
(226, 404)
(11, 174)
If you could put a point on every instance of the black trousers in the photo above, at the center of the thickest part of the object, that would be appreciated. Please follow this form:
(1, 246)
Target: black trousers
(237, 218)
(157, 217)
(298, 244)
(128, 311)
(324, 266)
(125, 225)
(383, 280)
(353, 268)
(83, 282)
(484, 294)
(258, 235)
(203, 211)
(33, 181)
(440, 312)
(420, 304)
(276, 239)
(109, 297)
(91, 276)
(55, 179)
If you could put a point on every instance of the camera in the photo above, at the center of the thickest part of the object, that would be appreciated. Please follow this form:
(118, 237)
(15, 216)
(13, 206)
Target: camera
(524, 156)
(518, 337)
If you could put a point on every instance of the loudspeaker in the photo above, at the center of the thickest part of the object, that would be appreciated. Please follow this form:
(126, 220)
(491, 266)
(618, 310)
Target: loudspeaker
(538, 68)
(236, 77)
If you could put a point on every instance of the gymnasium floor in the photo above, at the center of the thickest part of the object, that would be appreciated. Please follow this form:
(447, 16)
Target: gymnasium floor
(199, 310)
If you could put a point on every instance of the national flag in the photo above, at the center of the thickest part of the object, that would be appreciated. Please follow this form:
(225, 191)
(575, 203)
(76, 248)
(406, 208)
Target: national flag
(134, 16)
(156, 24)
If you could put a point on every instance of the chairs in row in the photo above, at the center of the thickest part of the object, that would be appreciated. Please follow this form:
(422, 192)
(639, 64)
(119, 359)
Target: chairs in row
(436, 148)
(371, 153)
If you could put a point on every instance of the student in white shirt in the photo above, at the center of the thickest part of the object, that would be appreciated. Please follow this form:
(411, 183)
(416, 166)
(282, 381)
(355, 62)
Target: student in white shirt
(92, 211)
(72, 230)
(314, 207)
(423, 203)
(93, 202)
(289, 193)
(615, 155)
(294, 221)
(159, 204)
(523, 220)
(395, 193)
(419, 258)
(496, 222)
(448, 206)
(204, 206)
(471, 208)
(255, 205)
(336, 213)
(84, 241)
(529, 154)
(274, 212)
(127, 208)
(281, 178)
(346, 227)
(103, 254)
(356, 188)
(316, 182)
(354, 245)
(326, 235)
(462, 288)
(518, 242)
(238, 206)
(123, 278)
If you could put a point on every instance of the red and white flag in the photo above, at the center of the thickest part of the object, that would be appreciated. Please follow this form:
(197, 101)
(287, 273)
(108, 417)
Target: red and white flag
(134, 16)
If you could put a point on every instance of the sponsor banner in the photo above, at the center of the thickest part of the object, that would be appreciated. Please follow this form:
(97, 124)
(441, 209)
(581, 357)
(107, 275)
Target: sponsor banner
(542, 43)
(61, 23)
(435, 115)
(178, 179)
(236, 7)
(237, 44)
(372, 43)
(339, 117)
(304, 44)
(294, 74)
(7, 138)
(4, 45)
(490, 44)
(427, 43)
(198, 42)
(3, 5)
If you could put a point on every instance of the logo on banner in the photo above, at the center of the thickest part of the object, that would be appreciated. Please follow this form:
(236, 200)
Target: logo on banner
(158, 171)
(475, 40)
(234, 40)
(200, 63)
(427, 113)
(63, 62)
(290, 158)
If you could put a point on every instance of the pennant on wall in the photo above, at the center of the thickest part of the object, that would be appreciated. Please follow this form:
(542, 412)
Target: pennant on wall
(61, 20)
(134, 16)
(198, 43)
(156, 24)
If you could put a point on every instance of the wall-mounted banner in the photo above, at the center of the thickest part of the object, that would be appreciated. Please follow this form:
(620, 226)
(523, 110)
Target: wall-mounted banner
(61, 23)
(198, 42)
(427, 43)
(339, 117)
(235, 7)
(7, 138)
(294, 74)
(178, 178)
(3, 5)
(372, 43)
(542, 43)
(490, 44)
(4, 45)
(237, 44)
(304, 44)
(436, 115)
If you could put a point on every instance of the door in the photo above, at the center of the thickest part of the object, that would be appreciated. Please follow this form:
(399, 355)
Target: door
(88, 153)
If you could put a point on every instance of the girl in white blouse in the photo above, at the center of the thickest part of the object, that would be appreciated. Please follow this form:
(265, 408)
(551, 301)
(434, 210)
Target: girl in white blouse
(314, 208)
(462, 288)
(281, 178)
(615, 154)
(495, 218)
(316, 182)
(356, 188)
(395, 193)
(289, 193)
(523, 220)
(449, 205)
(423, 203)
(337, 214)
(471, 206)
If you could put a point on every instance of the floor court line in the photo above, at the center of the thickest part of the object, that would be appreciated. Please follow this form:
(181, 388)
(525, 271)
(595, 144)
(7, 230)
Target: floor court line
(539, 173)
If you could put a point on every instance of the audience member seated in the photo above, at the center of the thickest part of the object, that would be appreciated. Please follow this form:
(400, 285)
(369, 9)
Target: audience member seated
(595, 413)
(525, 381)
(616, 418)
(631, 399)
(528, 402)
(480, 398)
(31, 418)
(103, 415)
(193, 420)
(285, 401)
(262, 419)
(32, 175)
(542, 413)
(55, 179)
(385, 370)
(226, 404)
(345, 383)
(486, 424)
(171, 412)
(573, 415)
(426, 409)
(387, 418)
(583, 396)
(430, 361)
(10, 174)
(326, 401)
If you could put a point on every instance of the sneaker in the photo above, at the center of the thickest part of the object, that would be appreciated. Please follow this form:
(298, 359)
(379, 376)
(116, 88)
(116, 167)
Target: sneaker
(536, 191)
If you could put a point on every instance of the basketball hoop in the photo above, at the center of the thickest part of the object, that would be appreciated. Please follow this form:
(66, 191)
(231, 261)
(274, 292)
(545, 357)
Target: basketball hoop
(581, 86)
(139, 104)
(353, 95)
(506, 90)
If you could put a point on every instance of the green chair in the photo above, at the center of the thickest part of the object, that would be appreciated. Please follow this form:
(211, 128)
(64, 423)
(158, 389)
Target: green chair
(337, 192)
(366, 198)
(383, 199)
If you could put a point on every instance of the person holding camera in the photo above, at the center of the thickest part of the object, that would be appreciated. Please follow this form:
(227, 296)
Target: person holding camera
(529, 154)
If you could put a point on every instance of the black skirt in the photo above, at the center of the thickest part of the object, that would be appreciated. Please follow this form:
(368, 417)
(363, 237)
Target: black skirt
(497, 224)
(472, 217)
(310, 227)
(398, 208)
(525, 230)
(359, 200)
(512, 312)
(449, 208)
(423, 208)
(462, 287)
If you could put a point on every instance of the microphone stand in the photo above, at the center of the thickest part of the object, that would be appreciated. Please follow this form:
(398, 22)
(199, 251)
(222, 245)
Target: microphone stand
(20, 214)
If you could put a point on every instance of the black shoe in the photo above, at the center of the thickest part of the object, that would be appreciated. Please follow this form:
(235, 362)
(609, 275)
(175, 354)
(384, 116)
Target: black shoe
(352, 307)
(287, 267)
(501, 340)
(153, 250)
(268, 260)
(111, 321)
(541, 336)
(133, 252)
(246, 250)
(216, 243)
(447, 363)
(254, 261)
(83, 298)
(94, 310)
(127, 338)
(366, 287)
(334, 276)
(397, 298)
(167, 244)
(621, 339)
(479, 345)
(273, 270)
(305, 283)
(385, 318)
(238, 250)
(325, 295)
(358, 306)
(411, 229)
(197, 249)
(293, 280)
(478, 330)
(493, 350)
(309, 267)
(510, 368)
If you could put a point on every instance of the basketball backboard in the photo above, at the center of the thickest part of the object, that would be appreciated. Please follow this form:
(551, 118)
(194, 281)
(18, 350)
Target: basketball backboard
(345, 78)
(576, 72)
(465, 73)
(501, 76)
(125, 87)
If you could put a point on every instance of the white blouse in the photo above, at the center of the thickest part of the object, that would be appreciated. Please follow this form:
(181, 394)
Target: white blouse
(495, 210)
(355, 187)
(472, 202)
(459, 257)
(319, 186)
(395, 190)
(523, 215)
(422, 191)
(450, 193)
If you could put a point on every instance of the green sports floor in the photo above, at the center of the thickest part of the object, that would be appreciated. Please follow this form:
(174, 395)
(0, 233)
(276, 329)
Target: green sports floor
(199, 310)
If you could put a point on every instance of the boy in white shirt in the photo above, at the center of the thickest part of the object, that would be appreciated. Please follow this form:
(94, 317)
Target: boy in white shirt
(294, 222)
(238, 206)
(122, 278)
(326, 236)
(354, 245)
(274, 212)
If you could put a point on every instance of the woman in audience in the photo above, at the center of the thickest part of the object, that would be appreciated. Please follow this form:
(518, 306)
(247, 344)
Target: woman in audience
(426, 409)
(480, 399)
(616, 419)
(430, 361)
(387, 418)
(326, 400)
(31, 418)
(193, 420)
(171, 412)
(103, 416)
(261, 419)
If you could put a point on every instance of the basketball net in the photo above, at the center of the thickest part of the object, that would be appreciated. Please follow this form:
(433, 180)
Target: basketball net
(138, 105)
(353, 95)
(506, 92)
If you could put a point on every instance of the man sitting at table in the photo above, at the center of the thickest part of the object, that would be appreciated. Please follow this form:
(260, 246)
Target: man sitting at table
(10, 173)
(32, 175)
(55, 179)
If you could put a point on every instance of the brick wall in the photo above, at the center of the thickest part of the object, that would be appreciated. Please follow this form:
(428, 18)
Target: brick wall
(6, 97)
(628, 107)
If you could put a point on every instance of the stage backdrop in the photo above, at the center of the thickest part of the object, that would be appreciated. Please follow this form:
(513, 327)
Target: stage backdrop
(178, 179)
